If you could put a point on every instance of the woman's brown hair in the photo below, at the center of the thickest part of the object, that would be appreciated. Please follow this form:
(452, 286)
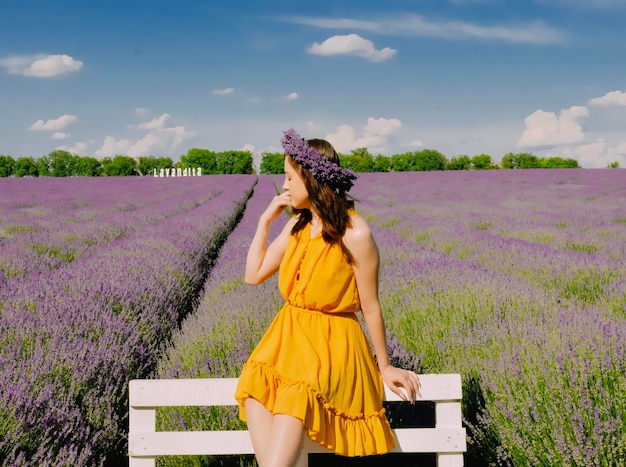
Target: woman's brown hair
(332, 207)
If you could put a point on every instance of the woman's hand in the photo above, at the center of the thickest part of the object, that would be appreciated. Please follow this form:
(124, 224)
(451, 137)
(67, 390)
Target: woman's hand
(396, 378)
(276, 206)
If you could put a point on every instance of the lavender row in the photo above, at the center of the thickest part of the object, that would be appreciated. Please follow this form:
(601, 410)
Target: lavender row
(71, 338)
(46, 223)
(215, 340)
(537, 330)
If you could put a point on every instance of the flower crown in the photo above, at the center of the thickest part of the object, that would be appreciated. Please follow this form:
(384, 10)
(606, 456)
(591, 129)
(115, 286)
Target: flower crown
(322, 168)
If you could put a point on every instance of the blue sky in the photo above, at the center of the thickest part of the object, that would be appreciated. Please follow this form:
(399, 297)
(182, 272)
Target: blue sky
(460, 76)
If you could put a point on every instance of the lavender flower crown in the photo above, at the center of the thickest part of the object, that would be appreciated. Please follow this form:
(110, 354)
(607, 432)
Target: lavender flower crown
(322, 168)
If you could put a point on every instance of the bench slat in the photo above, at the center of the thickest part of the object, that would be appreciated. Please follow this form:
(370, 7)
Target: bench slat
(219, 391)
(182, 392)
(162, 443)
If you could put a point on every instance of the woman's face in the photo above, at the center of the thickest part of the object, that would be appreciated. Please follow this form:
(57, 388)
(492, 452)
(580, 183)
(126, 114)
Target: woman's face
(294, 185)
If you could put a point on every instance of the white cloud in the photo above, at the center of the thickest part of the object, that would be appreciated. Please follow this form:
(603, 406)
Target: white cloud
(375, 135)
(223, 92)
(591, 154)
(597, 154)
(60, 135)
(382, 126)
(155, 123)
(546, 129)
(112, 147)
(41, 66)
(333, 23)
(377, 132)
(343, 139)
(534, 32)
(161, 141)
(613, 98)
(292, 96)
(55, 124)
(142, 111)
(351, 44)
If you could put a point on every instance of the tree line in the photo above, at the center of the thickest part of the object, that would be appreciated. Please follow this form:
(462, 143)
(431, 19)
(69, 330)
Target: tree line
(61, 163)
(361, 160)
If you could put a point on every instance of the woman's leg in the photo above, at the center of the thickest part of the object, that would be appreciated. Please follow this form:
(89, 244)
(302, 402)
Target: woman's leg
(276, 438)
(284, 443)
(259, 421)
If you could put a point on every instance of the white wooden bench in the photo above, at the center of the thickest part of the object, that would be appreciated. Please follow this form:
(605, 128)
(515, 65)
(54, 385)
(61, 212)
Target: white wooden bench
(447, 440)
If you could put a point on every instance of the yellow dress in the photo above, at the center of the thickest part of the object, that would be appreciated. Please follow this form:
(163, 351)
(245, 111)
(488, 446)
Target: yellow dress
(314, 362)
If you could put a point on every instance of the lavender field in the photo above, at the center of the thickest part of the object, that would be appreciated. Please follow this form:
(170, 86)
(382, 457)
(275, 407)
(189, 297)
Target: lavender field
(514, 279)
(95, 274)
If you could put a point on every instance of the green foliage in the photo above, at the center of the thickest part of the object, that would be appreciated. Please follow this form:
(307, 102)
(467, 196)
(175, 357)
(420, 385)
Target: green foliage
(381, 163)
(147, 164)
(119, 166)
(424, 160)
(234, 162)
(482, 162)
(25, 167)
(520, 160)
(43, 167)
(526, 160)
(202, 158)
(6, 166)
(359, 160)
(555, 162)
(272, 163)
(461, 162)
(61, 163)
(613, 165)
(87, 167)
(226, 162)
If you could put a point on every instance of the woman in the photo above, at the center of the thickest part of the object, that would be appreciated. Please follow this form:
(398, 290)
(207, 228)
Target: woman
(313, 372)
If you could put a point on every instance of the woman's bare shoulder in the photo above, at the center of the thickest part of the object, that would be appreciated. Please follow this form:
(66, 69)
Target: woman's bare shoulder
(359, 230)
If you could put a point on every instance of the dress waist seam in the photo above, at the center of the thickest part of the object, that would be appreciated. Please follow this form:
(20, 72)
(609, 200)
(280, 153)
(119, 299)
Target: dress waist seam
(340, 314)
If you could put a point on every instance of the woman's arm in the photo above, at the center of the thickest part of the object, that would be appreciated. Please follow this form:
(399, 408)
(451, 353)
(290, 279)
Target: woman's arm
(262, 260)
(358, 239)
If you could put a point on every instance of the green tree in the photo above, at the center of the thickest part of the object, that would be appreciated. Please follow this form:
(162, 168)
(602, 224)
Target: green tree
(482, 162)
(61, 163)
(119, 166)
(382, 163)
(147, 165)
(6, 166)
(272, 163)
(462, 162)
(428, 159)
(520, 160)
(507, 161)
(25, 167)
(234, 162)
(43, 166)
(613, 165)
(202, 158)
(555, 162)
(401, 162)
(359, 160)
(88, 166)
